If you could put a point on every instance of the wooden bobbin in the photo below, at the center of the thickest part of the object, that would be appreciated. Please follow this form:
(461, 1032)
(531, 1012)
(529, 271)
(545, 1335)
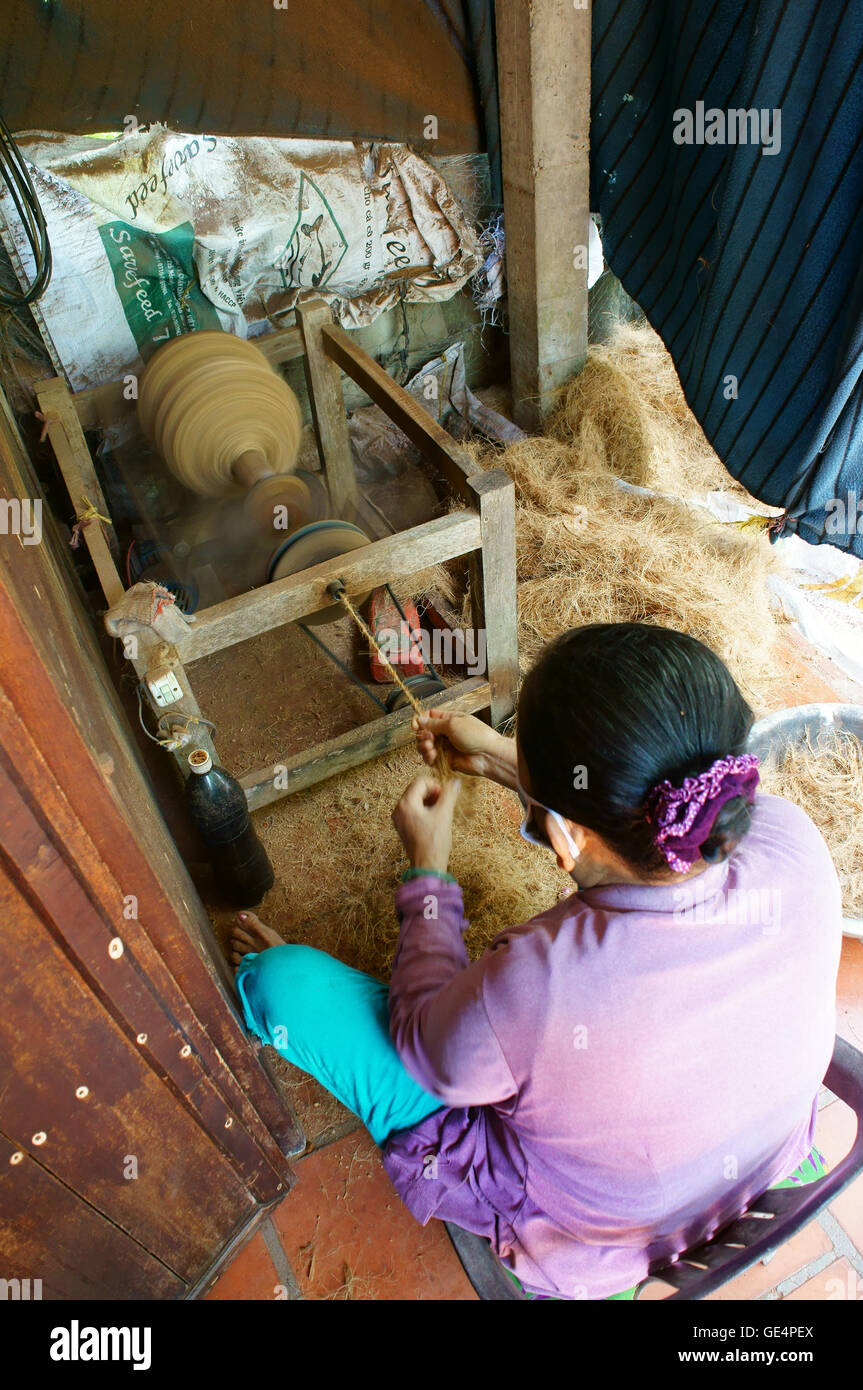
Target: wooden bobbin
(219, 415)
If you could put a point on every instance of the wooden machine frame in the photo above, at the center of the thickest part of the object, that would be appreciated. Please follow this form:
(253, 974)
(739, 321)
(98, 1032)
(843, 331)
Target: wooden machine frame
(483, 529)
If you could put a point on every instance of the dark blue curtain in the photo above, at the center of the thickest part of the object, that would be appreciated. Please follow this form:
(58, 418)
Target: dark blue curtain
(749, 264)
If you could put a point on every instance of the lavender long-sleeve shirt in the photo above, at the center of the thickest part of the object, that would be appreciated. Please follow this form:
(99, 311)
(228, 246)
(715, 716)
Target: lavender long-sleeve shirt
(625, 1072)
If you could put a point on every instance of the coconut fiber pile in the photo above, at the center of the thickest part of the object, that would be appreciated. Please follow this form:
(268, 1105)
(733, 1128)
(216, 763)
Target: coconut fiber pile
(826, 779)
(592, 550)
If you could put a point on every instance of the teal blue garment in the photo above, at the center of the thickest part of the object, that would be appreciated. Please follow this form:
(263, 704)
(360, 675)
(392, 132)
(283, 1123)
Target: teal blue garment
(333, 1022)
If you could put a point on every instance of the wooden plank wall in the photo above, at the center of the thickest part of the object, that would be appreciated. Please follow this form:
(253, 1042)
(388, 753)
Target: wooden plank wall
(342, 71)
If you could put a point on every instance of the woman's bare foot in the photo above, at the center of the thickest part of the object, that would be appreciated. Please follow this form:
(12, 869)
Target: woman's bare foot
(250, 935)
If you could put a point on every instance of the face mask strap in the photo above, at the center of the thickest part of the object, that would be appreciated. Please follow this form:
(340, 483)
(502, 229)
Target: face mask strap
(527, 802)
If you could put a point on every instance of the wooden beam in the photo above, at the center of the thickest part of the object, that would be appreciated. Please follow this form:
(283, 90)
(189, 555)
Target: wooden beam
(544, 75)
(328, 408)
(287, 600)
(67, 438)
(493, 588)
(281, 346)
(354, 747)
(421, 429)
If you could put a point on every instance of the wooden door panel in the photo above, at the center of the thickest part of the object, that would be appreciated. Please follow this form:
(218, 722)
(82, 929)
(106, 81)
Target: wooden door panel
(47, 1229)
(107, 824)
(186, 1195)
(126, 984)
(151, 1031)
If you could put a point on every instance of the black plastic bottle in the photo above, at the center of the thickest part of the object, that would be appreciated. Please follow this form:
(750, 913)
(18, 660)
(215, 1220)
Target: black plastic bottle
(217, 805)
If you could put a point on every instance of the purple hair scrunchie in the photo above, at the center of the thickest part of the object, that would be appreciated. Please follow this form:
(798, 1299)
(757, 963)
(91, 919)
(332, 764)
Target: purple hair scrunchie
(685, 815)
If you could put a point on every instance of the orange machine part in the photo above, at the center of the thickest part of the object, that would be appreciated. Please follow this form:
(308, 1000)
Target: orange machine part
(386, 620)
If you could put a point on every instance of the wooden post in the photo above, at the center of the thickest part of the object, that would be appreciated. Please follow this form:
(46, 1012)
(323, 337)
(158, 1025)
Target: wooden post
(544, 73)
(328, 408)
(79, 474)
(493, 588)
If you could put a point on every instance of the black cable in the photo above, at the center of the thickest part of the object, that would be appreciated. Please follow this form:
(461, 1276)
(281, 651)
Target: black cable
(427, 666)
(361, 685)
(14, 172)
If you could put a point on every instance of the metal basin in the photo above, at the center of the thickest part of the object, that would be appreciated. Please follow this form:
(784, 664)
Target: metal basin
(771, 735)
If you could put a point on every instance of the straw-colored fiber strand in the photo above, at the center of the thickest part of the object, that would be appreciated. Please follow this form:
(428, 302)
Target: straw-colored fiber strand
(441, 765)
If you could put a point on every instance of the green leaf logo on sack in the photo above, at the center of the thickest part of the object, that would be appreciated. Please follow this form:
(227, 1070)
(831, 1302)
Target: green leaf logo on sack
(317, 243)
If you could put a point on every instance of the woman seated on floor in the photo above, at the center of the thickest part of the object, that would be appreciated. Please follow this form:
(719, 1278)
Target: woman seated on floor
(616, 1079)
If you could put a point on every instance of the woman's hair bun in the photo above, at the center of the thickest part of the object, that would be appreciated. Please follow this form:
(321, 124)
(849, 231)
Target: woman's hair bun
(731, 824)
(633, 705)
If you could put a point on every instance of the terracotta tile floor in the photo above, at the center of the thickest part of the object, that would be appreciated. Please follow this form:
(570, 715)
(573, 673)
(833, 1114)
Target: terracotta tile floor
(343, 1234)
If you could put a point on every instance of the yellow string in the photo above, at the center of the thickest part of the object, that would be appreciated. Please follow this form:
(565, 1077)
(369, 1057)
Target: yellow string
(91, 514)
(441, 763)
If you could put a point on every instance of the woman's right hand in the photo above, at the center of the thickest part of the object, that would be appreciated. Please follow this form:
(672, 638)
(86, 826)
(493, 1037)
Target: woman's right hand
(475, 748)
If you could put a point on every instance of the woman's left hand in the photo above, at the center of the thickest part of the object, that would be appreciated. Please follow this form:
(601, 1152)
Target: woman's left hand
(423, 819)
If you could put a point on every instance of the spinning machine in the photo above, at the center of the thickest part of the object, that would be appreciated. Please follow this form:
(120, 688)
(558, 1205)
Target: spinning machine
(228, 426)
